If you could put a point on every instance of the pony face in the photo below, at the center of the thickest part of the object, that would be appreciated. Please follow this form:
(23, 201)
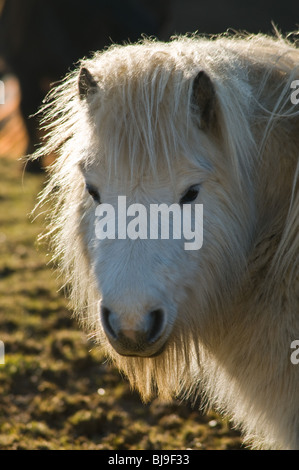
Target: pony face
(152, 265)
(156, 245)
(139, 261)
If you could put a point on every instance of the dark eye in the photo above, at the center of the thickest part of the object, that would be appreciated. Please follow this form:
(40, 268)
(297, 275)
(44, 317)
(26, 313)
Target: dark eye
(190, 195)
(93, 193)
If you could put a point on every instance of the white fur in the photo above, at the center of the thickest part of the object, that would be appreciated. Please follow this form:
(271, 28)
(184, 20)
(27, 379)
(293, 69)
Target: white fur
(233, 305)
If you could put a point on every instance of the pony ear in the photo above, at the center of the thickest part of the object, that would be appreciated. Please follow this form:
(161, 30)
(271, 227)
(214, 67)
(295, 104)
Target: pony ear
(86, 83)
(204, 98)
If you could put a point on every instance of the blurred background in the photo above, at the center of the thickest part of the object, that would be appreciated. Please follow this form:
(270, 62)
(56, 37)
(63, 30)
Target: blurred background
(56, 390)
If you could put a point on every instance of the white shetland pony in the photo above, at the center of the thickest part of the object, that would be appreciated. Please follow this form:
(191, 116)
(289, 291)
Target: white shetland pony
(192, 121)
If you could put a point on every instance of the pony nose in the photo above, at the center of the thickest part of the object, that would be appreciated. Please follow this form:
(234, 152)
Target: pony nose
(140, 339)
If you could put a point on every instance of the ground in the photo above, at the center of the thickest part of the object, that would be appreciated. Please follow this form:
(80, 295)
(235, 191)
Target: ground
(56, 390)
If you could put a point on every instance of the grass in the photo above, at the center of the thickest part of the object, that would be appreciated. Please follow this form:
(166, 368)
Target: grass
(56, 391)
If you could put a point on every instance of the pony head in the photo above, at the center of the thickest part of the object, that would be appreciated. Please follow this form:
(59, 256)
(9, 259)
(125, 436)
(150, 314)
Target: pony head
(155, 139)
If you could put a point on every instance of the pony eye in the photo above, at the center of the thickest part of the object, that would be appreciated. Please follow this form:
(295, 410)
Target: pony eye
(93, 193)
(190, 195)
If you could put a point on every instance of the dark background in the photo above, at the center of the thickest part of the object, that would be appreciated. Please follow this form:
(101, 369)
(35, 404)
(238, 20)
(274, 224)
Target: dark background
(40, 40)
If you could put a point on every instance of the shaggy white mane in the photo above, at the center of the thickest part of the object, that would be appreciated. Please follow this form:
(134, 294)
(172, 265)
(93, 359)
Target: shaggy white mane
(142, 121)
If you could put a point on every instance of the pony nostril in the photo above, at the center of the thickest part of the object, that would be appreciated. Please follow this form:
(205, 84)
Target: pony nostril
(156, 325)
(144, 333)
(105, 314)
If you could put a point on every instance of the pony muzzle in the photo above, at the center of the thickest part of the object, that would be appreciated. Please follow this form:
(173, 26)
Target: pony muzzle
(146, 338)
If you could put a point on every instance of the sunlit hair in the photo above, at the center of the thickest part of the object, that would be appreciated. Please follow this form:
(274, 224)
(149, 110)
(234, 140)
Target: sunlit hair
(142, 120)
